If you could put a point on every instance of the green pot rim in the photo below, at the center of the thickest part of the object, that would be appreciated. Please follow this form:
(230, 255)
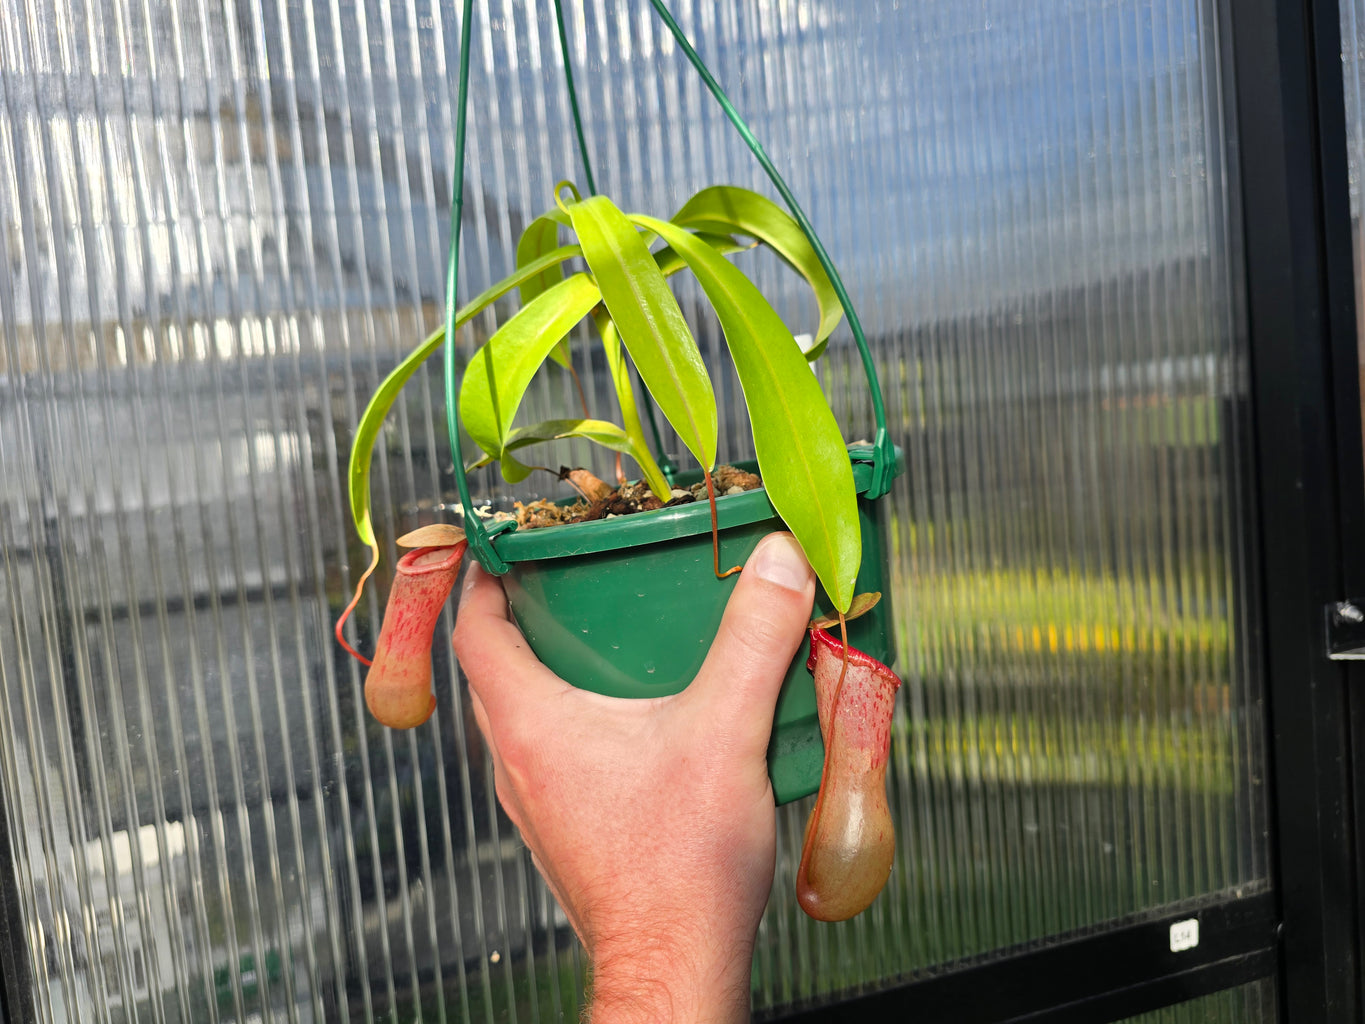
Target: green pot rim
(662, 524)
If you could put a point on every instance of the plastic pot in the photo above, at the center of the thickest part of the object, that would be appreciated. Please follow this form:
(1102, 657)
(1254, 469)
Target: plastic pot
(629, 606)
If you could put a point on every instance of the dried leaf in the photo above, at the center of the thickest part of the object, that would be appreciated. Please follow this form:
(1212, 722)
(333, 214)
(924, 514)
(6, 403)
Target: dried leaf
(585, 483)
(862, 604)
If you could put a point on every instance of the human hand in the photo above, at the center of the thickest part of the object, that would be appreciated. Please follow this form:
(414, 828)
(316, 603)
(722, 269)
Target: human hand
(651, 820)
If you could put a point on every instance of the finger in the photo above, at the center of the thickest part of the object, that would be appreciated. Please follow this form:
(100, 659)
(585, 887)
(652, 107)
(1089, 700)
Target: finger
(481, 719)
(764, 623)
(489, 741)
(501, 782)
(499, 664)
(484, 592)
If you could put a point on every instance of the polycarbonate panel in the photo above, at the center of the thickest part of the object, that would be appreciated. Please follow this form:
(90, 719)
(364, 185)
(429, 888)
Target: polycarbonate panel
(223, 222)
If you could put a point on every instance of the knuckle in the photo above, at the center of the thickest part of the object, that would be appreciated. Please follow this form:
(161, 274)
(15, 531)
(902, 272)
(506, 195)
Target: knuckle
(517, 746)
(759, 632)
(506, 796)
(462, 640)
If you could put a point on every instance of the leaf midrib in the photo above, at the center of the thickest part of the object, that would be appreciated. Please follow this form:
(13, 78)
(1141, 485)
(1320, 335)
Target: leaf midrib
(663, 350)
(781, 398)
(738, 309)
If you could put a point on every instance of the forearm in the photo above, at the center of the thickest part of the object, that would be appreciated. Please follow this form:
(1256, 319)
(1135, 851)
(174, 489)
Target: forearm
(671, 986)
(663, 867)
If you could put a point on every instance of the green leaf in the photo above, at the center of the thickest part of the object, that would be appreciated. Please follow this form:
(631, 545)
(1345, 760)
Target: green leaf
(513, 471)
(381, 402)
(670, 262)
(630, 414)
(513, 280)
(496, 378)
(801, 453)
(729, 209)
(540, 237)
(372, 419)
(602, 432)
(650, 323)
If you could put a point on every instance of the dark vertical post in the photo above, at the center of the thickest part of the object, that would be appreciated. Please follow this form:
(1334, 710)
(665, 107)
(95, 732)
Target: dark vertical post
(16, 983)
(1345, 347)
(1307, 434)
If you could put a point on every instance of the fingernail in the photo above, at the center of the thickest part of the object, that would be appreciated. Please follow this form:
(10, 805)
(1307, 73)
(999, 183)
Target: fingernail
(779, 559)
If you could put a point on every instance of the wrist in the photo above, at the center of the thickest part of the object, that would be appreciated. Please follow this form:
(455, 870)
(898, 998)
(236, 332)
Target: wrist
(659, 981)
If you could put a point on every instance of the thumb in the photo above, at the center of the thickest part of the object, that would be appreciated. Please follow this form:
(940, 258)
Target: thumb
(764, 623)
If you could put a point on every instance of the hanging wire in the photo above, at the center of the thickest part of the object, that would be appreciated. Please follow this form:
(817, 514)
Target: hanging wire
(884, 466)
(573, 98)
(474, 528)
(666, 465)
(884, 453)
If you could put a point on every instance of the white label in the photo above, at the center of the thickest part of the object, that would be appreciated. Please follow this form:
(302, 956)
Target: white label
(1184, 935)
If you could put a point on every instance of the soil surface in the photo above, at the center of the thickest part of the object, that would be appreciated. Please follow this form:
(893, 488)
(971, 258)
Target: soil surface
(599, 500)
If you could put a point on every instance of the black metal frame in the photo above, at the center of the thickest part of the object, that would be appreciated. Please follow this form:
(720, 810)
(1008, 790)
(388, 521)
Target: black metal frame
(16, 985)
(1086, 980)
(1311, 497)
(1285, 95)
(1345, 383)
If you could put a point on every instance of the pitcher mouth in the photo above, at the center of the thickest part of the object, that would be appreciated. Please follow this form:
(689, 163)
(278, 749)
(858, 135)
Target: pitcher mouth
(824, 639)
(413, 564)
(643, 528)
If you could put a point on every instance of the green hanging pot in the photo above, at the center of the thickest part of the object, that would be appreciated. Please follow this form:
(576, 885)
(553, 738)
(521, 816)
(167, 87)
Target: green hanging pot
(629, 606)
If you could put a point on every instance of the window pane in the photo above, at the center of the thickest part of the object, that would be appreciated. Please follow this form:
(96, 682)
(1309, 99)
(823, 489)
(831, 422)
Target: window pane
(223, 223)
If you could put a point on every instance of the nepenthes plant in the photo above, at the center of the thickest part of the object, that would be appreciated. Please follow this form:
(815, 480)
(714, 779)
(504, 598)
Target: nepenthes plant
(612, 273)
(624, 294)
(591, 598)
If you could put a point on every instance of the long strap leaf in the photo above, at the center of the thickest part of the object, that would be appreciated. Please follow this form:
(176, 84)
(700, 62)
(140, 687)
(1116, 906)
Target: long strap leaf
(372, 419)
(801, 453)
(651, 324)
(669, 263)
(630, 413)
(730, 209)
(496, 378)
(541, 237)
(602, 432)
